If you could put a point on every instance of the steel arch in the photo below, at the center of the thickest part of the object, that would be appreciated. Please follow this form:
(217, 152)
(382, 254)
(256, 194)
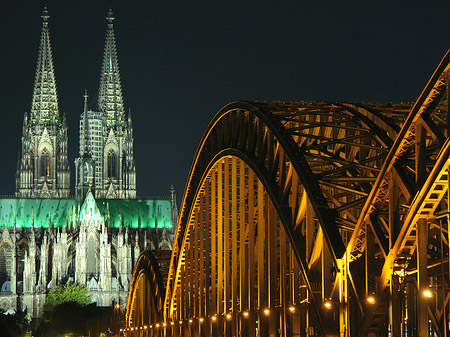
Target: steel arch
(355, 194)
(146, 295)
(322, 147)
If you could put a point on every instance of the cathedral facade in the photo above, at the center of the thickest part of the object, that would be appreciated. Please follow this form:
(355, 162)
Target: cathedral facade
(48, 237)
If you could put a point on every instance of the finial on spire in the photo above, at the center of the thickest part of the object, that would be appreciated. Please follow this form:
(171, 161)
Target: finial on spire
(110, 16)
(85, 95)
(45, 15)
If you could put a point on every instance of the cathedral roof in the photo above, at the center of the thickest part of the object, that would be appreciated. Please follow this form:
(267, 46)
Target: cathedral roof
(146, 213)
(110, 99)
(44, 105)
(89, 210)
(35, 212)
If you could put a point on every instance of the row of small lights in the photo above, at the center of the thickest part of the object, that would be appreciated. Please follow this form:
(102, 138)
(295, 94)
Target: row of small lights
(327, 304)
(371, 298)
(228, 316)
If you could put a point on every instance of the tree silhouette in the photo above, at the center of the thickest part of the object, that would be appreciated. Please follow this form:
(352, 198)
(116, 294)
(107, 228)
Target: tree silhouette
(69, 293)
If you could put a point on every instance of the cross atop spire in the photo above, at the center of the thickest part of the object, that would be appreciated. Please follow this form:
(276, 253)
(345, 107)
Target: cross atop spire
(45, 15)
(110, 16)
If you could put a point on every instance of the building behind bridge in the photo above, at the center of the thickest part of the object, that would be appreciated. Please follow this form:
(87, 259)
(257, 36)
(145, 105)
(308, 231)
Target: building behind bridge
(49, 238)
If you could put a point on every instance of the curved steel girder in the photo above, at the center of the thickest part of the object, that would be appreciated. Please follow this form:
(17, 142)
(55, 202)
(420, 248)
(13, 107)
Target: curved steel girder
(423, 205)
(248, 135)
(147, 266)
(425, 104)
(245, 129)
(344, 145)
(296, 239)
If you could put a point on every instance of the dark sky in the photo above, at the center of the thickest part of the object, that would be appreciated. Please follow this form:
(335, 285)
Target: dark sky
(181, 61)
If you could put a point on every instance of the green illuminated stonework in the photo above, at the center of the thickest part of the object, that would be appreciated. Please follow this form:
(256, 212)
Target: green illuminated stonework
(58, 213)
(36, 212)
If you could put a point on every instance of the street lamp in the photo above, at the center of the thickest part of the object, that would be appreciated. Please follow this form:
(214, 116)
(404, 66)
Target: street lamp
(428, 293)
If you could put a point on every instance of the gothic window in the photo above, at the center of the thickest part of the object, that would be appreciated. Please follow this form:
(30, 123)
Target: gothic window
(32, 162)
(111, 164)
(45, 163)
(92, 257)
(3, 268)
(124, 162)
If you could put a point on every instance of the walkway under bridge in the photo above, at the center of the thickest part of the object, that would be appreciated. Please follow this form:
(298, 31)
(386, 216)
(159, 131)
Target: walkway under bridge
(310, 219)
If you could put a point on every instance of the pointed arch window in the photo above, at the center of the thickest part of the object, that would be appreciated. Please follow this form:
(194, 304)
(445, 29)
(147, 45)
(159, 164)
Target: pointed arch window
(32, 163)
(45, 163)
(124, 162)
(111, 165)
(4, 256)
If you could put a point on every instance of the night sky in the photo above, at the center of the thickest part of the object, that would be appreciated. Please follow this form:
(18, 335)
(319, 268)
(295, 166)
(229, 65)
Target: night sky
(181, 61)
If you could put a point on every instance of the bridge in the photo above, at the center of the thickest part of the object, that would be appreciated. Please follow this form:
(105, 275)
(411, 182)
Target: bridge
(310, 219)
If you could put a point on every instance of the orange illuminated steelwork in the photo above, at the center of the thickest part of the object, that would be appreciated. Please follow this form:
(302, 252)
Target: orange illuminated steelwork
(295, 202)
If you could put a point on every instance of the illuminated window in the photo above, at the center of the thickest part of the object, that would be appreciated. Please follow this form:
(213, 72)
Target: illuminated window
(111, 164)
(45, 163)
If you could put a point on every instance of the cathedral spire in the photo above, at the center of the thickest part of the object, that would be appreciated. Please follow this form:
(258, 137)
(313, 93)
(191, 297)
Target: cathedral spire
(44, 105)
(86, 151)
(110, 99)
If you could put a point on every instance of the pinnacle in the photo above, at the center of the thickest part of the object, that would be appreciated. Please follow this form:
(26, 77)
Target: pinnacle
(110, 17)
(45, 15)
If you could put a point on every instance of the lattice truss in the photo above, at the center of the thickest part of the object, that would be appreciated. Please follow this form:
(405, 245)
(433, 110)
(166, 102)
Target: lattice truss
(290, 205)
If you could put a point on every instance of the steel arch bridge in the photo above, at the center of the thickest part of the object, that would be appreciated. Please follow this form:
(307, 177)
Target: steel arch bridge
(313, 218)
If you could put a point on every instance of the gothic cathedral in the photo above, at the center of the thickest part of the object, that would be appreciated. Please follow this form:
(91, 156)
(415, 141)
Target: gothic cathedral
(43, 167)
(48, 237)
(106, 162)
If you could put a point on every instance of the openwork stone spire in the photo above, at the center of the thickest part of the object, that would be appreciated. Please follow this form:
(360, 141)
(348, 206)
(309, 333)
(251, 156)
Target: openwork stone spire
(44, 105)
(110, 99)
(43, 169)
(85, 152)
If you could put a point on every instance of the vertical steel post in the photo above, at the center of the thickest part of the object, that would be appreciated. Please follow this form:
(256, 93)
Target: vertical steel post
(422, 281)
(220, 241)
(395, 306)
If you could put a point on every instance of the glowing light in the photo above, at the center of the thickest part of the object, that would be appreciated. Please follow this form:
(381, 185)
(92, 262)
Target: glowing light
(246, 314)
(172, 323)
(140, 328)
(151, 326)
(327, 304)
(190, 320)
(157, 325)
(228, 316)
(267, 311)
(117, 306)
(371, 299)
(180, 322)
(145, 327)
(132, 329)
(164, 324)
(427, 293)
(291, 308)
(201, 319)
(214, 318)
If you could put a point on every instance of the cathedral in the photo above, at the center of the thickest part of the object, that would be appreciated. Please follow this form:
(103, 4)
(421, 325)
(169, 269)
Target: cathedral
(49, 237)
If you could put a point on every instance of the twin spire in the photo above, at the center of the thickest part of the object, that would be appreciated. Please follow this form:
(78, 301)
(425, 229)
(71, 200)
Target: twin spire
(110, 98)
(44, 105)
